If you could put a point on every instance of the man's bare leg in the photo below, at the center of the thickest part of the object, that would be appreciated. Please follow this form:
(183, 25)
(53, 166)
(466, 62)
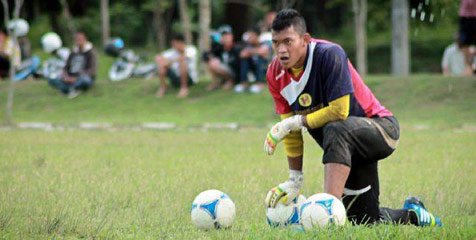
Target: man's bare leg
(214, 70)
(162, 68)
(335, 177)
(468, 57)
(183, 93)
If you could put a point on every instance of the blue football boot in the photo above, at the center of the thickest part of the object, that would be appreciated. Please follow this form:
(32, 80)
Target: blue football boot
(425, 218)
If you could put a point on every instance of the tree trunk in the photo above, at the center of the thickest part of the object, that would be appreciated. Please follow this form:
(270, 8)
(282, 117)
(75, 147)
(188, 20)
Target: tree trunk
(360, 26)
(400, 44)
(205, 20)
(105, 21)
(67, 16)
(161, 30)
(11, 87)
(237, 15)
(185, 19)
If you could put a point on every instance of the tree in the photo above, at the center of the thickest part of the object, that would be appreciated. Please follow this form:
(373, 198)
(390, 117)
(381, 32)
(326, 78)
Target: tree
(400, 44)
(204, 21)
(105, 21)
(67, 16)
(360, 26)
(160, 25)
(11, 87)
(185, 19)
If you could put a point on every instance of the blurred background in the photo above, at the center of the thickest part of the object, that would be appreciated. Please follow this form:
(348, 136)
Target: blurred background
(147, 24)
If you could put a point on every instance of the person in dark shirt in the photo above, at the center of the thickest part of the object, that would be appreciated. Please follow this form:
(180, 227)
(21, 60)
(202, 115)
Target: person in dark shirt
(223, 61)
(253, 58)
(80, 70)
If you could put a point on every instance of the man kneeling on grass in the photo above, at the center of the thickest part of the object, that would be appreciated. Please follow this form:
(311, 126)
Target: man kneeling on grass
(315, 86)
(179, 64)
(80, 70)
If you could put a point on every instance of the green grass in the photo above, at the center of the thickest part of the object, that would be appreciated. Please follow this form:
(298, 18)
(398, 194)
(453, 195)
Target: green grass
(126, 185)
(422, 99)
(140, 184)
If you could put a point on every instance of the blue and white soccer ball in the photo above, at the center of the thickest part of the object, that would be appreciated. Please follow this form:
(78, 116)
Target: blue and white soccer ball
(283, 215)
(212, 209)
(322, 210)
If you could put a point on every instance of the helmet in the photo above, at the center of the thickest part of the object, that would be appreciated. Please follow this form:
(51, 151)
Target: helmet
(114, 47)
(225, 29)
(118, 42)
(19, 27)
(51, 42)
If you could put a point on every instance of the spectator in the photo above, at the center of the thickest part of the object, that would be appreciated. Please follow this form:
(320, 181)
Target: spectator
(80, 71)
(265, 35)
(453, 62)
(255, 57)
(467, 31)
(179, 64)
(9, 54)
(223, 61)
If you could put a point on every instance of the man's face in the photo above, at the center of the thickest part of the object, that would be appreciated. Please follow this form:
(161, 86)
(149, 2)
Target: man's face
(80, 39)
(289, 46)
(226, 39)
(178, 45)
(253, 38)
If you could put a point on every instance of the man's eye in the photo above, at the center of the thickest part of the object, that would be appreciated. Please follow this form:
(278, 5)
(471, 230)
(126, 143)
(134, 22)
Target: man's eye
(287, 41)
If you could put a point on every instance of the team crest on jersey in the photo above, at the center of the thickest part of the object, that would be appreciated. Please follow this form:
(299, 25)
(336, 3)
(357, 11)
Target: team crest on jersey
(305, 100)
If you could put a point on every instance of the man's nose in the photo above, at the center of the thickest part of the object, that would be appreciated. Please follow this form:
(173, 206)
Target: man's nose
(281, 48)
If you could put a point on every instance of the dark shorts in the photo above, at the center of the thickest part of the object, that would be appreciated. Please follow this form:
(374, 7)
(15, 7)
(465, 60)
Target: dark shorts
(467, 31)
(360, 143)
(175, 79)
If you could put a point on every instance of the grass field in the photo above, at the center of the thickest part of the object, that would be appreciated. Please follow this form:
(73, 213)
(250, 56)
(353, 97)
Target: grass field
(140, 184)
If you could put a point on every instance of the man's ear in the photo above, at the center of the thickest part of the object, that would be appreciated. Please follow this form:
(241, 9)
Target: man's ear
(307, 38)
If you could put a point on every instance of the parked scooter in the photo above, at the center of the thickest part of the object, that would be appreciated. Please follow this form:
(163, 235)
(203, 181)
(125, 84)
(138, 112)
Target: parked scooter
(28, 67)
(127, 64)
(53, 67)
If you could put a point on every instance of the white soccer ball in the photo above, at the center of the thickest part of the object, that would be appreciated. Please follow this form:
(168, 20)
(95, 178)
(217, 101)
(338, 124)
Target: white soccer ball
(321, 210)
(212, 209)
(283, 215)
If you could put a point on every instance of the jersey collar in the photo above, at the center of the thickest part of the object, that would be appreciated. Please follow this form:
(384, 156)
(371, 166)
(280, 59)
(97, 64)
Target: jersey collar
(294, 88)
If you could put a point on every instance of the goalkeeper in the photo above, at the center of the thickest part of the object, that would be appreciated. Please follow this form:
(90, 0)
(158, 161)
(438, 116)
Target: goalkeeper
(314, 85)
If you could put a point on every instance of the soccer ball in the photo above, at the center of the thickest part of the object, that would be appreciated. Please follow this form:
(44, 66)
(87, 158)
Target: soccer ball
(321, 210)
(212, 209)
(283, 215)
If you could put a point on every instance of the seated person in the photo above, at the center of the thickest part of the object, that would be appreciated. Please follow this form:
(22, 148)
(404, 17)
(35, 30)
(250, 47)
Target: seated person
(223, 60)
(453, 62)
(179, 64)
(80, 70)
(255, 56)
(8, 51)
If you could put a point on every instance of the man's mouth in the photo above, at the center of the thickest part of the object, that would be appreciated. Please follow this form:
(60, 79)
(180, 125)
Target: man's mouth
(284, 59)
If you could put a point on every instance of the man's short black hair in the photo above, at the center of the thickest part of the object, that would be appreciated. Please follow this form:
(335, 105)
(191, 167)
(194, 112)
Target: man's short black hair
(81, 32)
(287, 18)
(255, 29)
(178, 37)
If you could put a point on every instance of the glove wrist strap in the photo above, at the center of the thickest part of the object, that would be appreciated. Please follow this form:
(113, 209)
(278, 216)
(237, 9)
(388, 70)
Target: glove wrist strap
(296, 176)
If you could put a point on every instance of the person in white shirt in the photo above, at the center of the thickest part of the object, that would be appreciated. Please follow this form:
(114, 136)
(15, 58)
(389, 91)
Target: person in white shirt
(453, 62)
(179, 64)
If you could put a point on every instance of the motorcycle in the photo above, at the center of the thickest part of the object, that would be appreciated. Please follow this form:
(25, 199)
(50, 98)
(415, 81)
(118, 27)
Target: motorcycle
(53, 67)
(128, 64)
(27, 68)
